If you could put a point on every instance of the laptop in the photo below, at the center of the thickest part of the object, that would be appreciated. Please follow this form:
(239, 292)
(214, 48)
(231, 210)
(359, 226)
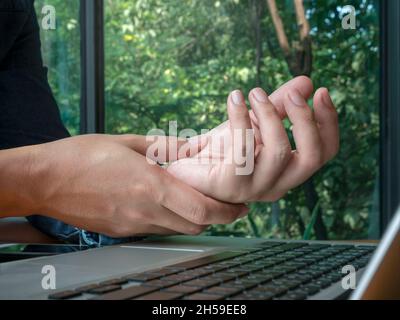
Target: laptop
(213, 268)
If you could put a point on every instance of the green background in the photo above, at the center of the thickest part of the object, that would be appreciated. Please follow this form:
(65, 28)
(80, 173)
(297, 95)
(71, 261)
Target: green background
(179, 59)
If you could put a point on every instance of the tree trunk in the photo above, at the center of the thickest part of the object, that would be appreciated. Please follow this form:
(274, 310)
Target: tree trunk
(256, 11)
(299, 57)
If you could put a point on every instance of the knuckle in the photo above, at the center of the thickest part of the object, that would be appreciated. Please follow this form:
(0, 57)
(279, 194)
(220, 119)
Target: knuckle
(282, 152)
(269, 110)
(313, 162)
(158, 195)
(308, 116)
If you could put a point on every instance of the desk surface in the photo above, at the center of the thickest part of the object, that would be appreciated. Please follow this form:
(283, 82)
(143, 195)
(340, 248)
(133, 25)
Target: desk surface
(20, 231)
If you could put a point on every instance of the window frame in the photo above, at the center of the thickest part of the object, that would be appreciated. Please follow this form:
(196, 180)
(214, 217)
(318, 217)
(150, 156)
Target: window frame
(92, 108)
(389, 111)
(93, 93)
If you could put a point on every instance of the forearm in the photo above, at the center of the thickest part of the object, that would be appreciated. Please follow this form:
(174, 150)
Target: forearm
(18, 181)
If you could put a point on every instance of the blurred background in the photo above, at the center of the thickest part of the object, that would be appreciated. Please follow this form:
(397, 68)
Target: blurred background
(168, 60)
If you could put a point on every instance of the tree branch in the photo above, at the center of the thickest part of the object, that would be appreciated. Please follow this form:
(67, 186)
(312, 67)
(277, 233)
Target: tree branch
(280, 30)
(302, 22)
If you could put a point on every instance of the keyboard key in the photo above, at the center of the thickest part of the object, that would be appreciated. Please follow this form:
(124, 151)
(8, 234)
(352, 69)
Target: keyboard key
(291, 246)
(208, 260)
(87, 287)
(128, 293)
(239, 285)
(223, 277)
(317, 246)
(183, 289)
(294, 296)
(259, 295)
(226, 292)
(113, 282)
(236, 273)
(161, 295)
(179, 277)
(201, 272)
(204, 283)
(366, 248)
(334, 277)
(310, 289)
(203, 296)
(290, 285)
(105, 289)
(141, 277)
(63, 295)
(160, 283)
(241, 297)
(275, 290)
(322, 283)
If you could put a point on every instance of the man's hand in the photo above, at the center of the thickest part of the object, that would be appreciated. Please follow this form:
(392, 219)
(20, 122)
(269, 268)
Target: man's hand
(99, 183)
(277, 168)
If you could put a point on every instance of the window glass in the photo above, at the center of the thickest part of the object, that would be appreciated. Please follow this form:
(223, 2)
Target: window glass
(179, 59)
(61, 54)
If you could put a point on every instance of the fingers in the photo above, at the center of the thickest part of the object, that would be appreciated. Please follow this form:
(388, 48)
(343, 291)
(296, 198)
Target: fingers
(193, 206)
(302, 83)
(167, 220)
(327, 120)
(308, 157)
(256, 128)
(276, 150)
(241, 133)
(237, 111)
(145, 230)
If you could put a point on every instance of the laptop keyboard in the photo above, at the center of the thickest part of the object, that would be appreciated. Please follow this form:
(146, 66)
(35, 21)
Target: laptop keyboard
(271, 270)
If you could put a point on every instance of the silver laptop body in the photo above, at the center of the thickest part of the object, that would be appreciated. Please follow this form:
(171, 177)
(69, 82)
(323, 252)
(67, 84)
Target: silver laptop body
(23, 279)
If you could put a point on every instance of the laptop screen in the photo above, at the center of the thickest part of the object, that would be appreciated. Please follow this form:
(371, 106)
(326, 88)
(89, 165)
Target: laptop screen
(176, 61)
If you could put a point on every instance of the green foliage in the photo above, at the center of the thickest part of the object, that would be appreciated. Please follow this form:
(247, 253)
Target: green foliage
(61, 53)
(179, 59)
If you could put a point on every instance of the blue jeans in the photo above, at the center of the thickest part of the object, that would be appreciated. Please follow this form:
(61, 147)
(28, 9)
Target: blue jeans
(69, 234)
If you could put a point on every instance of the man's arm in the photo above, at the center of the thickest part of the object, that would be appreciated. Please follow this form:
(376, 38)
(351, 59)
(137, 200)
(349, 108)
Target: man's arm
(99, 183)
(17, 182)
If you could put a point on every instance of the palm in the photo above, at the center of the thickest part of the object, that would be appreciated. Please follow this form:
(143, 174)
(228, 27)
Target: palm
(208, 171)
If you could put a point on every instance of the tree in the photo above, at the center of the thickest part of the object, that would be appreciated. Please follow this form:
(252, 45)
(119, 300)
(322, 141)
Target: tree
(178, 60)
(298, 56)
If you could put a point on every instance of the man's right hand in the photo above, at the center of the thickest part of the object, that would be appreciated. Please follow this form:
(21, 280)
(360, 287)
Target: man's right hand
(99, 183)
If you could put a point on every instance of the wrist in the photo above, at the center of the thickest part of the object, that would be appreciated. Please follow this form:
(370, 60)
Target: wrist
(19, 181)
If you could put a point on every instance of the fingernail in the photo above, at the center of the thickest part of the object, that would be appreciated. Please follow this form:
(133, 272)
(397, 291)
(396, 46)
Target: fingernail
(237, 97)
(296, 98)
(260, 95)
(327, 98)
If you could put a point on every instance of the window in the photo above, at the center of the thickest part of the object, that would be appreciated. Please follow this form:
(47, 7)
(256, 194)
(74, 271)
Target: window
(178, 60)
(151, 61)
(61, 54)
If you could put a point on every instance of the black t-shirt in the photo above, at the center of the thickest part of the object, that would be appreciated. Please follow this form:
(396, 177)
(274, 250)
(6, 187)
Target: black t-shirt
(28, 112)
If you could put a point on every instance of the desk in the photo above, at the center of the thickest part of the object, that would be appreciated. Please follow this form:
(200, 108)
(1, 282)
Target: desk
(19, 230)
